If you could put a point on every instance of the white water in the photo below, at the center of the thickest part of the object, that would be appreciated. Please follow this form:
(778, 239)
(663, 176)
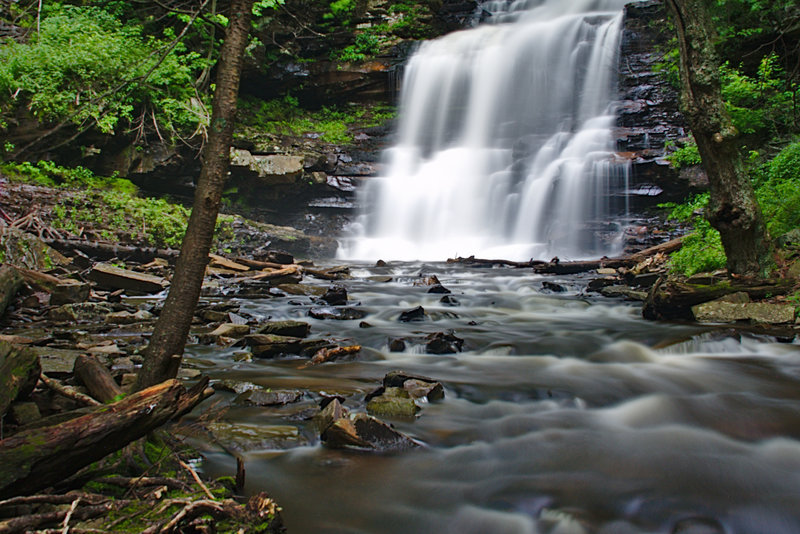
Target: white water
(504, 144)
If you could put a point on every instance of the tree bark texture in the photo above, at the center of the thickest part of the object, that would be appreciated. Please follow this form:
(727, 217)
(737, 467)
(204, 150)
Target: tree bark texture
(97, 378)
(732, 209)
(10, 281)
(19, 374)
(38, 458)
(167, 343)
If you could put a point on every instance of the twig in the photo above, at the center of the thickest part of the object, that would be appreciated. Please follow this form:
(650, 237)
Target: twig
(197, 479)
(68, 392)
(90, 498)
(65, 529)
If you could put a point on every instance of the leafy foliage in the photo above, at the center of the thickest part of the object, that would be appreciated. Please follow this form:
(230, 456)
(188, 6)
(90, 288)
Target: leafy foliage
(685, 156)
(86, 67)
(778, 190)
(702, 249)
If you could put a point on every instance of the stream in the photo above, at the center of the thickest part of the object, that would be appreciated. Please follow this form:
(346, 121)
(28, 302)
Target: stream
(565, 413)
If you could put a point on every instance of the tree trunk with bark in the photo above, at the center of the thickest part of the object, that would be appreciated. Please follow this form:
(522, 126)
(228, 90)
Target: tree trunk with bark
(165, 350)
(38, 458)
(733, 209)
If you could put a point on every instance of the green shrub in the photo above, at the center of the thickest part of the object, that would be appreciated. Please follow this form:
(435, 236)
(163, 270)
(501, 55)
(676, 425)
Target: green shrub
(685, 156)
(86, 67)
(702, 249)
(779, 191)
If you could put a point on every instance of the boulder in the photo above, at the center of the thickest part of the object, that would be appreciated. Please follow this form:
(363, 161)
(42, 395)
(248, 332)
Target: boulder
(262, 397)
(393, 402)
(335, 296)
(449, 300)
(225, 330)
(269, 346)
(269, 170)
(721, 311)
(414, 314)
(339, 314)
(285, 328)
(439, 289)
(84, 311)
(416, 385)
(363, 432)
(110, 277)
(443, 343)
(553, 287)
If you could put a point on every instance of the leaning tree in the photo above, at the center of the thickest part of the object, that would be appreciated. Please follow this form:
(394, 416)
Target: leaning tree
(165, 350)
(733, 209)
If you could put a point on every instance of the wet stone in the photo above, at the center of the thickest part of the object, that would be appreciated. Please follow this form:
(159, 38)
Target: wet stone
(439, 289)
(335, 296)
(624, 292)
(234, 386)
(443, 343)
(338, 314)
(394, 402)
(126, 317)
(553, 287)
(267, 345)
(286, 328)
(363, 432)
(414, 314)
(418, 389)
(397, 345)
(261, 397)
(245, 437)
(449, 300)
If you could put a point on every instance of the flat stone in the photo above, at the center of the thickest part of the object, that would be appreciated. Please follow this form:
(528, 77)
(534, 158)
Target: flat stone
(624, 292)
(224, 263)
(261, 397)
(84, 311)
(23, 413)
(229, 330)
(268, 345)
(274, 169)
(394, 402)
(234, 386)
(285, 328)
(69, 292)
(246, 437)
(57, 361)
(719, 311)
(337, 313)
(126, 317)
(302, 289)
(606, 271)
(414, 314)
(110, 277)
(365, 433)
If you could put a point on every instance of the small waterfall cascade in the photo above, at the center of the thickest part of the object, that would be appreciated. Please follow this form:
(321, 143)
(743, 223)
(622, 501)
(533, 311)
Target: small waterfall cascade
(504, 145)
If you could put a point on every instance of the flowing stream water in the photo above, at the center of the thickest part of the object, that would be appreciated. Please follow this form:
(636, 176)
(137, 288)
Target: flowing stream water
(565, 413)
(504, 145)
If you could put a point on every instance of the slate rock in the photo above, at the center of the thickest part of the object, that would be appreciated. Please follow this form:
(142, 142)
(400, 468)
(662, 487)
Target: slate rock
(335, 296)
(286, 328)
(443, 343)
(414, 314)
(261, 397)
(338, 314)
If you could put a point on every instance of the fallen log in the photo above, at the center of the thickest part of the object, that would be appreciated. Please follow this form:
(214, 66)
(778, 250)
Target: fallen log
(19, 374)
(29, 523)
(10, 282)
(473, 261)
(674, 300)
(572, 267)
(38, 458)
(108, 251)
(292, 270)
(97, 378)
(256, 264)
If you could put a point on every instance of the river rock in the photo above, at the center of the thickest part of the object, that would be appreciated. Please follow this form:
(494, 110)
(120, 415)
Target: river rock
(329, 413)
(270, 170)
(269, 346)
(392, 402)
(335, 296)
(110, 277)
(623, 291)
(69, 292)
(443, 343)
(721, 311)
(364, 432)
(126, 317)
(439, 289)
(449, 300)
(416, 385)
(414, 314)
(397, 345)
(339, 314)
(243, 437)
(285, 328)
(225, 330)
(233, 386)
(554, 287)
(261, 397)
(84, 311)
(302, 289)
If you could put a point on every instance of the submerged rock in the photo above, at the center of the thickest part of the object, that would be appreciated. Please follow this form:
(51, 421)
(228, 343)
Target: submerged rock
(393, 402)
(416, 385)
(338, 430)
(335, 296)
(443, 343)
(721, 311)
(414, 314)
(286, 328)
(261, 397)
(338, 314)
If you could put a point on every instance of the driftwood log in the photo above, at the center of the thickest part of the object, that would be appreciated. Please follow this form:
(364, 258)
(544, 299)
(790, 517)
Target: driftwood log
(571, 267)
(108, 251)
(97, 378)
(19, 374)
(38, 458)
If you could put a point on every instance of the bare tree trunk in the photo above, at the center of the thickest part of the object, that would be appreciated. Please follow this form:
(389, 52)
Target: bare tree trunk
(733, 209)
(166, 346)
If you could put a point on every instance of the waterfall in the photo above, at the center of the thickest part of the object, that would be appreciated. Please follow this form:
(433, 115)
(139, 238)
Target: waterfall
(504, 145)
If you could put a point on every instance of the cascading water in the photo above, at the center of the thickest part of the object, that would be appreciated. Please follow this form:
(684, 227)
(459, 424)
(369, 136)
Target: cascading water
(504, 144)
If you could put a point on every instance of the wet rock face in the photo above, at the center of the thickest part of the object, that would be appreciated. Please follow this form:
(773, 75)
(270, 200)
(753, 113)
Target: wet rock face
(649, 110)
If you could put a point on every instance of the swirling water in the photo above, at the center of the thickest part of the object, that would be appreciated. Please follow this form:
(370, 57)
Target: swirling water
(565, 413)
